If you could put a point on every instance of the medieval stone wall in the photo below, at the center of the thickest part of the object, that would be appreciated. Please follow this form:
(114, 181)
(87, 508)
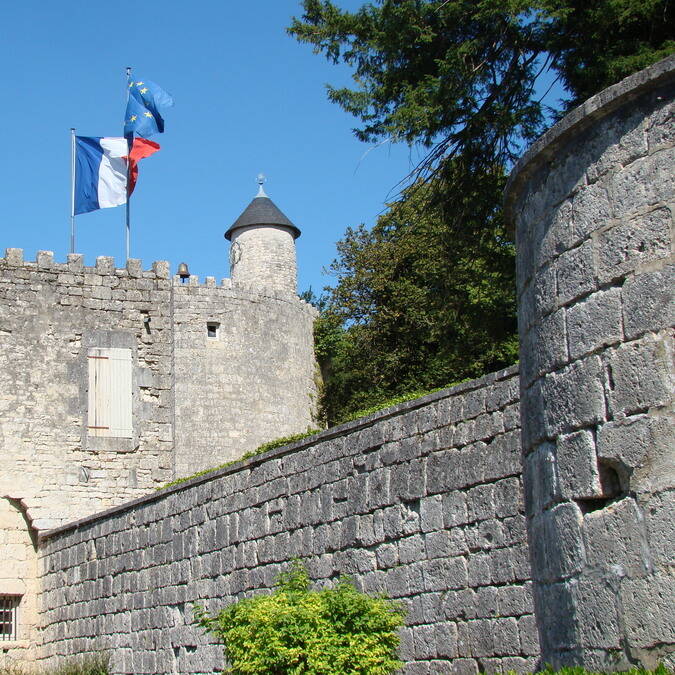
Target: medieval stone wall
(422, 501)
(50, 315)
(593, 202)
(253, 380)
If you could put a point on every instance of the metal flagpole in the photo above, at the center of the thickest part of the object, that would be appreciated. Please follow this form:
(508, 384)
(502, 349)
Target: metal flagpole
(72, 190)
(128, 214)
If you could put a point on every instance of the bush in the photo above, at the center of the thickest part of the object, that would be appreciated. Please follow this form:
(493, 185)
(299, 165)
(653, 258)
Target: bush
(295, 630)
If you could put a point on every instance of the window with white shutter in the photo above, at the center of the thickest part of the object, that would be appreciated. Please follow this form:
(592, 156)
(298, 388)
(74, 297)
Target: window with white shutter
(110, 400)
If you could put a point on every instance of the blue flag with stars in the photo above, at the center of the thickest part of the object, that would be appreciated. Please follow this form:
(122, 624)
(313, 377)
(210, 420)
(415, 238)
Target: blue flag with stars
(144, 109)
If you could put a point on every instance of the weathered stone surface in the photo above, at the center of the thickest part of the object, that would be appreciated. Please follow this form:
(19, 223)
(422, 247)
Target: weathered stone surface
(377, 510)
(577, 466)
(648, 302)
(639, 376)
(594, 323)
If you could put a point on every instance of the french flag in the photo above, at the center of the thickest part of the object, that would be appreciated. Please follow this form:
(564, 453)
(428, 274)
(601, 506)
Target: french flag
(101, 170)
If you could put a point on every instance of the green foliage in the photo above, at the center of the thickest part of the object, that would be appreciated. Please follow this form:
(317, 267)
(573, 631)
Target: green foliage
(86, 665)
(461, 75)
(420, 300)
(295, 630)
(270, 445)
(427, 296)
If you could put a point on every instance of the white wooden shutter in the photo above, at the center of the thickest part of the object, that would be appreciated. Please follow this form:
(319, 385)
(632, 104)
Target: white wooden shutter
(110, 392)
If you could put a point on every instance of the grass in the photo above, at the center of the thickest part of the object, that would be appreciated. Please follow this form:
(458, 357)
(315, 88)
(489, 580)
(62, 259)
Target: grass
(85, 665)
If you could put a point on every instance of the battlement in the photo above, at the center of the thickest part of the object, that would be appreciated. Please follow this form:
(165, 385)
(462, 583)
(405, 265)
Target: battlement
(159, 270)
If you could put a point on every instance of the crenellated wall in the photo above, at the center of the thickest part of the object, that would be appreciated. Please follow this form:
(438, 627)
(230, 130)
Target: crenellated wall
(422, 501)
(593, 203)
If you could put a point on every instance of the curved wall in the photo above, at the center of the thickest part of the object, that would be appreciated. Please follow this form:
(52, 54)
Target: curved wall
(593, 202)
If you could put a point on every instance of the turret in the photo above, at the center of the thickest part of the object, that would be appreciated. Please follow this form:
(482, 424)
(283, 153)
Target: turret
(262, 249)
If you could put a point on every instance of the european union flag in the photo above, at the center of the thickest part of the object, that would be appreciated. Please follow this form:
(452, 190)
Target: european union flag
(143, 117)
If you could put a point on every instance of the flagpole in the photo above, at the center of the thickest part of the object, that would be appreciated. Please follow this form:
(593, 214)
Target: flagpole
(72, 190)
(128, 211)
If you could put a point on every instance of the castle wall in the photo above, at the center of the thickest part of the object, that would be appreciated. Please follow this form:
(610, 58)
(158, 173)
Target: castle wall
(593, 203)
(51, 316)
(422, 501)
(251, 382)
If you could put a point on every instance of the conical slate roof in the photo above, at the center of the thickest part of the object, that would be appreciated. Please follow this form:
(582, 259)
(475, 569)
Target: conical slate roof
(262, 211)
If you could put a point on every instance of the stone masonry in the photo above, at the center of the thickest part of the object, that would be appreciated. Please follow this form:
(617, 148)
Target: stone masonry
(593, 203)
(195, 374)
(422, 501)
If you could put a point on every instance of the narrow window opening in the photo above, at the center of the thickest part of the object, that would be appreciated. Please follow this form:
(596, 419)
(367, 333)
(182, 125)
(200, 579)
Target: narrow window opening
(9, 617)
(212, 329)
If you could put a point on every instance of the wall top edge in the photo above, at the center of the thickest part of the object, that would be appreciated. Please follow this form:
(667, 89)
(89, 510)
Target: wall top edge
(588, 113)
(328, 434)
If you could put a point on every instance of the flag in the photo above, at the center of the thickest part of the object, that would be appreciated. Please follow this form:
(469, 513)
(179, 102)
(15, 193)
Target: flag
(101, 170)
(143, 116)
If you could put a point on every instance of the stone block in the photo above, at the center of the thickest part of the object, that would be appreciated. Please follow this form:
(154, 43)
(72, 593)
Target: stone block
(454, 509)
(442, 574)
(105, 265)
(594, 323)
(648, 303)
(431, 513)
(407, 481)
(648, 610)
(639, 377)
(577, 466)
(44, 259)
(514, 600)
(446, 544)
(643, 184)
(556, 543)
(532, 415)
(627, 245)
(575, 273)
(508, 497)
(14, 256)
(134, 267)
(539, 479)
(591, 210)
(529, 638)
(556, 606)
(641, 447)
(574, 396)
(480, 503)
(75, 262)
(615, 541)
(445, 639)
(660, 522)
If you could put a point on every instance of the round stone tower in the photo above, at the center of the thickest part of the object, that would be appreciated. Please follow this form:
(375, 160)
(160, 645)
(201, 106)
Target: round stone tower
(262, 250)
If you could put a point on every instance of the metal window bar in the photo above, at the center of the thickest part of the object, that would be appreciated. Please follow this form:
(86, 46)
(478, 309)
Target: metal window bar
(9, 617)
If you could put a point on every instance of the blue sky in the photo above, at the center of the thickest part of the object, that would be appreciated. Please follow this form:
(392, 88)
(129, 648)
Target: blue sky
(248, 98)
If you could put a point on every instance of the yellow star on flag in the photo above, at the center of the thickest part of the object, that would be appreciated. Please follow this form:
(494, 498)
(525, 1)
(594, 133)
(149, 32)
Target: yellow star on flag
(133, 118)
(148, 114)
(144, 90)
(138, 84)
(131, 84)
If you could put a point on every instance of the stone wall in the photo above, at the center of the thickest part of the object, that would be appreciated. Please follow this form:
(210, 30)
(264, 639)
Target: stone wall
(253, 381)
(50, 314)
(593, 202)
(422, 501)
(198, 401)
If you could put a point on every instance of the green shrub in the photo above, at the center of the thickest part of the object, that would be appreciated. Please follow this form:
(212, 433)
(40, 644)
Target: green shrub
(295, 630)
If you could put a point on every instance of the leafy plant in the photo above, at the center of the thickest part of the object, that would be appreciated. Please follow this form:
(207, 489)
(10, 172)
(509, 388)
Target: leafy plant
(295, 630)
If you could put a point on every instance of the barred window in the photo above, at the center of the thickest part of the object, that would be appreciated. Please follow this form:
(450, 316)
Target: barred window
(9, 616)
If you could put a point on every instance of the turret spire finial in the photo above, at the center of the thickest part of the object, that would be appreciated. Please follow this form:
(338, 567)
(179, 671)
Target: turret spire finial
(261, 180)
